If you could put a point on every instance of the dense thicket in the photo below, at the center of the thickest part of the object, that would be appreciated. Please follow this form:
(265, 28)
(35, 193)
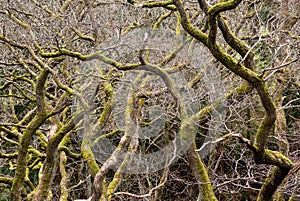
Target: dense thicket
(149, 100)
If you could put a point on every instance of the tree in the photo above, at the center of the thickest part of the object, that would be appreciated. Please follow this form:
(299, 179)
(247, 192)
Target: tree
(149, 100)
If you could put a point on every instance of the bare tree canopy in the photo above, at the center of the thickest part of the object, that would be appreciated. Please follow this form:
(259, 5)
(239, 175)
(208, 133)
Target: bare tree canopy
(150, 100)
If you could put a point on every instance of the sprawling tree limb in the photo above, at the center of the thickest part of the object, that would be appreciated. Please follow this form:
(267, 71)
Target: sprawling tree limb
(261, 155)
(92, 56)
(51, 159)
(47, 54)
(26, 138)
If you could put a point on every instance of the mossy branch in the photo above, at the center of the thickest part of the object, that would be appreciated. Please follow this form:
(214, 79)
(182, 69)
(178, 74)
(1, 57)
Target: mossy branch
(40, 86)
(173, 54)
(6, 180)
(26, 138)
(152, 4)
(12, 42)
(10, 133)
(5, 155)
(200, 171)
(108, 105)
(237, 44)
(186, 24)
(65, 177)
(223, 6)
(245, 73)
(112, 160)
(95, 55)
(271, 183)
(160, 20)
(273, 158)
(51, 158)
(69, 153)
(17, 20)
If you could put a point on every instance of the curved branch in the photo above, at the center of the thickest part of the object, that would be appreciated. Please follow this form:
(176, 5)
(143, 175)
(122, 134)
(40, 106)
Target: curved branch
(223, 6)
(69, 153)
(152, 4)
(92, 56)
(51, 159)
(26, 138)
(187, 25)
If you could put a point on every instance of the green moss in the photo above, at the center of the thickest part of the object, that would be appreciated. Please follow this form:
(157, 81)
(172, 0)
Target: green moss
(193, 31)
(223, 6)
(201, 174)
(114, 184)
(65, 177)
(278, 159)
(160, 19)
(188, 130)
(88, 155)
(20, 173)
